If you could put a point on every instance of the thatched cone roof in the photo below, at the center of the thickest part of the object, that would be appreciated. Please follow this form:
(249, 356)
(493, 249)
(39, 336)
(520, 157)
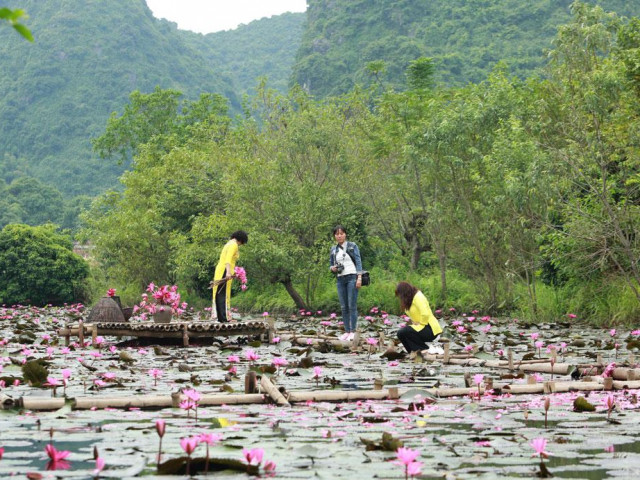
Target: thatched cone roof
(106, 310)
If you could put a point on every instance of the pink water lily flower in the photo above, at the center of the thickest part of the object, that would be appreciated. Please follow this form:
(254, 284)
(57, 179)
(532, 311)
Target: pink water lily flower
(52, 382)
(414, 469)
(539, 444)
(99, 466)
(269, 466)
(210, 438)
(161, 427)
(189, 444)
(253, 456)
(192, 394)
(279, 362)
(56, 455)
(407, 455)
(251, 355)
(317, 371)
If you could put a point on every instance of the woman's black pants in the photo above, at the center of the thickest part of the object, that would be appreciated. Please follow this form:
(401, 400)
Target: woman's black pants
(414, 341)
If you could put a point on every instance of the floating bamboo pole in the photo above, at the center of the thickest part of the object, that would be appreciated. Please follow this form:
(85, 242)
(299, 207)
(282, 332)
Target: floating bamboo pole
(273, 392)
(344, 395)
(138, 401)
(168, 401)
(40, 403)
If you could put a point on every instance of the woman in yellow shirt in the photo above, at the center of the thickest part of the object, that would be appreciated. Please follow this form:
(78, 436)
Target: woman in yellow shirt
(424, 327)
(224, 275)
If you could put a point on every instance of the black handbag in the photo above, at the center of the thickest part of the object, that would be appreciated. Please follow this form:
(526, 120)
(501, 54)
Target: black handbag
(366, 279)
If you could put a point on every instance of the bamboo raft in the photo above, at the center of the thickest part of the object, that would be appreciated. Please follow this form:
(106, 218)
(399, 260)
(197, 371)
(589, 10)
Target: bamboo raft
(180, 330)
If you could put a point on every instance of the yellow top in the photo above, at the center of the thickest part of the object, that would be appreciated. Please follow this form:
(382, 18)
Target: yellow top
(228, 255)
(420, 314)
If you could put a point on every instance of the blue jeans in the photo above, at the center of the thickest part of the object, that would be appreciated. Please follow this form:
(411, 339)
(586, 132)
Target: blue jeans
(348, 296)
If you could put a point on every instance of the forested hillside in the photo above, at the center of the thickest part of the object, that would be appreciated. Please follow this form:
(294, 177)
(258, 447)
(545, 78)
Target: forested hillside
(89, 55)
(265, 47)
(58, 92)
(466, 38)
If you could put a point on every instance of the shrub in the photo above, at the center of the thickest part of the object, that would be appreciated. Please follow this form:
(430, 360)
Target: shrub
(38, 266)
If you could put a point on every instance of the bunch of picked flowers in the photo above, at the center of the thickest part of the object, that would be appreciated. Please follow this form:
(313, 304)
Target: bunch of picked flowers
(241, 275)
(161, 298)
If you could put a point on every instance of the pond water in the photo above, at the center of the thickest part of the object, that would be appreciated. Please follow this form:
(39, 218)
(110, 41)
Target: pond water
(457, 437)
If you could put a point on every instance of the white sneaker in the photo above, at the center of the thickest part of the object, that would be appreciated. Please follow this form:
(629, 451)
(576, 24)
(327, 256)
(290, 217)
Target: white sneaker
(344, 336)
(439, 350)
(351, 336)
(433, 349)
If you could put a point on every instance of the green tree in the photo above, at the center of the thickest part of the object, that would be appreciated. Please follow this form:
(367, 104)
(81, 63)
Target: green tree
(591, 110)
(292, 185)
(38, 266)
(158, 119)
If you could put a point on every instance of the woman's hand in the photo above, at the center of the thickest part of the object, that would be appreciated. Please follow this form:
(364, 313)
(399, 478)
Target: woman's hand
(359, 281)
(334, 269)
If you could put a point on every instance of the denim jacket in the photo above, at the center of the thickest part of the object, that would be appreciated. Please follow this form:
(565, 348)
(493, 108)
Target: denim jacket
(352, 250)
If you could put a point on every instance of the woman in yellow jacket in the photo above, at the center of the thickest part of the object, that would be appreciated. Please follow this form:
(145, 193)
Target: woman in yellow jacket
(424, 327)
(224, 275)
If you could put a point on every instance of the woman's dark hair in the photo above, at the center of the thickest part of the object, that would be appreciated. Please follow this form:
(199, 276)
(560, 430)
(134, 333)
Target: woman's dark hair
(338, 227)
(241, 236)
(405, 293)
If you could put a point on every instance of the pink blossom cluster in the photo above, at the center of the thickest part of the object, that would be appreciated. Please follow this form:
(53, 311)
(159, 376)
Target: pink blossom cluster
(164, 297)
(241, 275)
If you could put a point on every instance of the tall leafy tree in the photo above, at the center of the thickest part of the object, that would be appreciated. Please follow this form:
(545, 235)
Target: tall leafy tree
(293, 186)
(594, 109)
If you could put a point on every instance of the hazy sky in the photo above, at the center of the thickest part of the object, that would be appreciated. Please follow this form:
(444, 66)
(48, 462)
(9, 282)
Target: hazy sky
(207, 16)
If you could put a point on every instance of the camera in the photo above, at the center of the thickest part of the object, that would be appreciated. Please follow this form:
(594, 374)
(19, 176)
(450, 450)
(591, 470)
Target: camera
(339, 267)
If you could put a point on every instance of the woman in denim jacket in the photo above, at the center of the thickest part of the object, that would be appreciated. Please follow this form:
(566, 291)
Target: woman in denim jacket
(346, 264)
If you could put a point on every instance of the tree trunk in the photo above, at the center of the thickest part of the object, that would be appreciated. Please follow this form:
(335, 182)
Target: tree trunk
(415, 254)
(442, 258)
(293, 293)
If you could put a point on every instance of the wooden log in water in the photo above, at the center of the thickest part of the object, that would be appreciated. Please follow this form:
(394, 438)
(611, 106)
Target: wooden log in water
(626, 384)
(267, 385)
(343, 395)
(622, 373)
(304, 341)
(546, 387)
(138, 401)
(546, 367)
(41, 403)
(231, 399)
